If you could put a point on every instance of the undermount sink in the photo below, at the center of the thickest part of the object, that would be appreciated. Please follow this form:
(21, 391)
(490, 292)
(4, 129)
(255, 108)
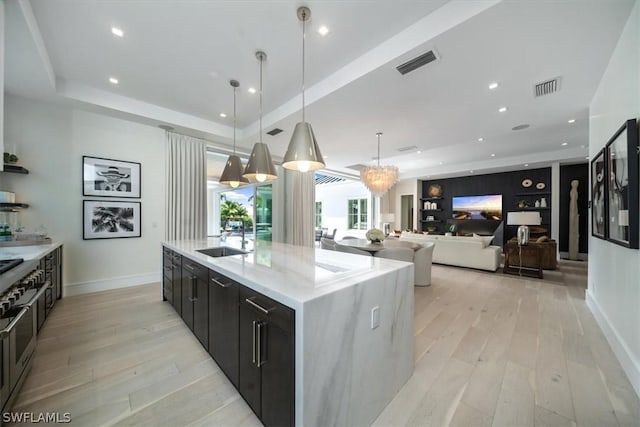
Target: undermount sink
(223, 251)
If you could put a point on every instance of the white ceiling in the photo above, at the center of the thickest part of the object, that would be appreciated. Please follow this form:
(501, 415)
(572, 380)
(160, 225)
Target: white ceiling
(176, 58)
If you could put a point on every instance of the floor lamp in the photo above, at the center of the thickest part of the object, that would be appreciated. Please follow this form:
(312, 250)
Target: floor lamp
(523, 219)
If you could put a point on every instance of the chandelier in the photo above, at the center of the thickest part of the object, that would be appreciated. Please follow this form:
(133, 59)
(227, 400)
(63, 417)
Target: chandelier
(379, 179)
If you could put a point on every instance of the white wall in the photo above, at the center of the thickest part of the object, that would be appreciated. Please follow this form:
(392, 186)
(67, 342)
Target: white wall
(614, 286)
(402, 188)
(51, 141)
(334, 206)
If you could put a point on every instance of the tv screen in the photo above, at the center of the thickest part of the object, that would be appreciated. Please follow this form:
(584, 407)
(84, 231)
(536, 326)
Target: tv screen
(478, 207)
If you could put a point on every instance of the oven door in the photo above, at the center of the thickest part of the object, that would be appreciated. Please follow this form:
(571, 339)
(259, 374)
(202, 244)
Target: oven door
(22, 342)
(4, 371)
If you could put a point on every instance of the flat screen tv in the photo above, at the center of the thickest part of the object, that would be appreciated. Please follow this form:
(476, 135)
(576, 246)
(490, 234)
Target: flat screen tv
(478, 207)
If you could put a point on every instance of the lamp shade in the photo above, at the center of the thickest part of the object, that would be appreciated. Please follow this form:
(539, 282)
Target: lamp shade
(260, 167)
(303, 153)
(523, 218)
(232, 173)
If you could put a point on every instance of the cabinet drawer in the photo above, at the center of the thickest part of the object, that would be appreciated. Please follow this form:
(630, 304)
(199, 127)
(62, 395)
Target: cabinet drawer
(167, 252)
(279, 314)
(193, 268)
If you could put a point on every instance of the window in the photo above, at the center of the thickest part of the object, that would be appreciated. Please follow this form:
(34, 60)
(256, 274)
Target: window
(357, 214)
(318, 214)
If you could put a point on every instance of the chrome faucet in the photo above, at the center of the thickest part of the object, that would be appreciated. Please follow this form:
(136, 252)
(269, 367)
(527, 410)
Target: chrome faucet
(243, 245)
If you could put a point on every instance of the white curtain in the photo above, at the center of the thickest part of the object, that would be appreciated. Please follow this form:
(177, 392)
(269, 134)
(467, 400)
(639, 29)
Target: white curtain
(300, 208)
(186, 209)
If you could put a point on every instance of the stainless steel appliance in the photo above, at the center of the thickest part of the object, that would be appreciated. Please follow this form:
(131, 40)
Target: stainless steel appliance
(18, 329)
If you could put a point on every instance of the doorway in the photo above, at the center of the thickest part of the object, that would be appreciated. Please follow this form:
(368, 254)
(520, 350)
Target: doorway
(406, 212)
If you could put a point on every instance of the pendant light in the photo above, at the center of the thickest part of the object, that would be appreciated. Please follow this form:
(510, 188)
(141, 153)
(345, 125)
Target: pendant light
(303, 153)
(232, 173)
(260, 165)
(379, 179)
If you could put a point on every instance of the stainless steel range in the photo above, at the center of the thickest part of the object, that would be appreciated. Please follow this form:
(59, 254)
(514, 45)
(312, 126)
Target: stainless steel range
(20, 305)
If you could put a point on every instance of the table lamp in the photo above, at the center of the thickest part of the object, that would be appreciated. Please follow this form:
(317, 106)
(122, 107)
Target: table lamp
(523, 219)
(387, 219)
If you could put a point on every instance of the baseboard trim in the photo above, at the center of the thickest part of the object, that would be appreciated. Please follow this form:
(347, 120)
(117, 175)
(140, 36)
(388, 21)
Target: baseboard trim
(111, 283)
(629, 365)
(581, 256)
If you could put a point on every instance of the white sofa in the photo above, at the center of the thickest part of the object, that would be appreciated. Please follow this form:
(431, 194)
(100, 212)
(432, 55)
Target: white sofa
(473, 252)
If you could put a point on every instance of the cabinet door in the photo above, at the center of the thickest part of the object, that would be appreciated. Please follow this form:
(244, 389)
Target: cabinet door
(58, 288)
(201, 312)
(249, 384)
(277, 364)
(188, 282)
(223, 324)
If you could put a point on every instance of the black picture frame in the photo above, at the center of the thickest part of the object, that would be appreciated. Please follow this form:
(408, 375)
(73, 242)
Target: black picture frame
(621, 167)
(103, 177)
(599, 196)
(106, 219)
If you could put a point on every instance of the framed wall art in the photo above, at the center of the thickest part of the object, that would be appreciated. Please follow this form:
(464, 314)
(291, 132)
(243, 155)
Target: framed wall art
(621, 154)
(110, 178)
(110, 220)
(598, 196)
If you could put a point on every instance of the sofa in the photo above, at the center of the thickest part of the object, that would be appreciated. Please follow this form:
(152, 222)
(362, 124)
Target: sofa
(473, 252)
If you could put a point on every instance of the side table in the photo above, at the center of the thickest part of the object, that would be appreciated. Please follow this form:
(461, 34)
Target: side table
(513, 254)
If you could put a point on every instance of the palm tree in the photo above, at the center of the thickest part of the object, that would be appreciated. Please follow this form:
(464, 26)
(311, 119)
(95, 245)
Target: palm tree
(230, 210)
(112, 219)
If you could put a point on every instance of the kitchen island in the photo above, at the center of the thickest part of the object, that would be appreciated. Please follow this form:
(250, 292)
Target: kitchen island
(352, 323)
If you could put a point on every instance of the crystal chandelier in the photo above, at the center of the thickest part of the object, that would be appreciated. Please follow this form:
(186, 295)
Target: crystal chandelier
(379, 179)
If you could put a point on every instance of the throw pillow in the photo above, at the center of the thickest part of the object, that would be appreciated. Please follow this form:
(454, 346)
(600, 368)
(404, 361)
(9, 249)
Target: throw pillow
(486, 240)
(542, 239)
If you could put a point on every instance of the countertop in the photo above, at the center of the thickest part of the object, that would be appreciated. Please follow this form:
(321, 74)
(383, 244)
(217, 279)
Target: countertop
(289, 274)
(30, 254)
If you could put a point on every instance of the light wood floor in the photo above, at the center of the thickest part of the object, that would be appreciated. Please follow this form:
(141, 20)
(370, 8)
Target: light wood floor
(490, 349)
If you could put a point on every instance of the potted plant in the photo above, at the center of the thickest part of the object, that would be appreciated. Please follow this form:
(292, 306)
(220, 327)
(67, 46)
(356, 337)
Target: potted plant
(375, 236)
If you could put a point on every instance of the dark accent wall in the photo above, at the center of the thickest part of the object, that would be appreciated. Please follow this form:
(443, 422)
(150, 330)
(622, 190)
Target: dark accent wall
(567, 174)
(509, 184)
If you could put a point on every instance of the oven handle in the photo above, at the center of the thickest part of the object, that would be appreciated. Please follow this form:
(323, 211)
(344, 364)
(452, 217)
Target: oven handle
(6, 331)
(38, 294)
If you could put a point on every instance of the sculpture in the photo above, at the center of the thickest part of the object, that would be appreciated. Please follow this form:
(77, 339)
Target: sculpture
(574, 221)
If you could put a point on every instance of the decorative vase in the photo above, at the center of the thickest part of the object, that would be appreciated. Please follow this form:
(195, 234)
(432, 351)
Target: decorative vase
(537, 203)
(543, 203)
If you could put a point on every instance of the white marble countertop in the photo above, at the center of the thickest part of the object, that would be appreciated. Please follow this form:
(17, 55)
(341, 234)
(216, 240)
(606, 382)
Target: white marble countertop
(27, 252)
(289, 274)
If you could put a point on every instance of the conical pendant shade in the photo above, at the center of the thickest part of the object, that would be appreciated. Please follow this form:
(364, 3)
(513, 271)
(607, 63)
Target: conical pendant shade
(232, 173)
(303, 153)
(260, 167)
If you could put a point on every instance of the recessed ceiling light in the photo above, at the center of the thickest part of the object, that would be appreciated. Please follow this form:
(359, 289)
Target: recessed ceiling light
(470, 171)
(223, 115)
(493, 155)
(565, 144)
(502, 109)
(323, 30)
(113, 80)
(587, 157)
(117, 32)
(480, 139)
(571, 121)
(440, 162)
(252, 90)
(526, 165)
(419, 152)
(493, 85)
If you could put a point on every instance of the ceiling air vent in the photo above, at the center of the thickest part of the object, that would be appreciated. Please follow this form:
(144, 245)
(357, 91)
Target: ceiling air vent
(409, 148)
(356, 167)
(417, 62)
(274, 132)
(547, 87)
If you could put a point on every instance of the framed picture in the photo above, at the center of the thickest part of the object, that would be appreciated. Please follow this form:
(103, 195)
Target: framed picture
(110, 178)
(622, 185)
(110, 220)
(598, 196)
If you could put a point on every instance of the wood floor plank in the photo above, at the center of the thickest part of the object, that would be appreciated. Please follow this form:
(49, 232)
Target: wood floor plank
(590, 399)
(467, 416)
(553, 391)
(516, 402)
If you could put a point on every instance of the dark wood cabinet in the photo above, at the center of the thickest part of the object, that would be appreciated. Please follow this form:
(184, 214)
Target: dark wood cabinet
(195, 299)
(223, 324)
(172, 279)
(267, 357)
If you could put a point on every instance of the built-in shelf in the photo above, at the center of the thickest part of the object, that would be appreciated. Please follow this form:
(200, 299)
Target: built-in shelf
(434, 220)
(15, 169)
(431, 198)
(431, 210)
(536, 209)
(12, 207)
(540, 193)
